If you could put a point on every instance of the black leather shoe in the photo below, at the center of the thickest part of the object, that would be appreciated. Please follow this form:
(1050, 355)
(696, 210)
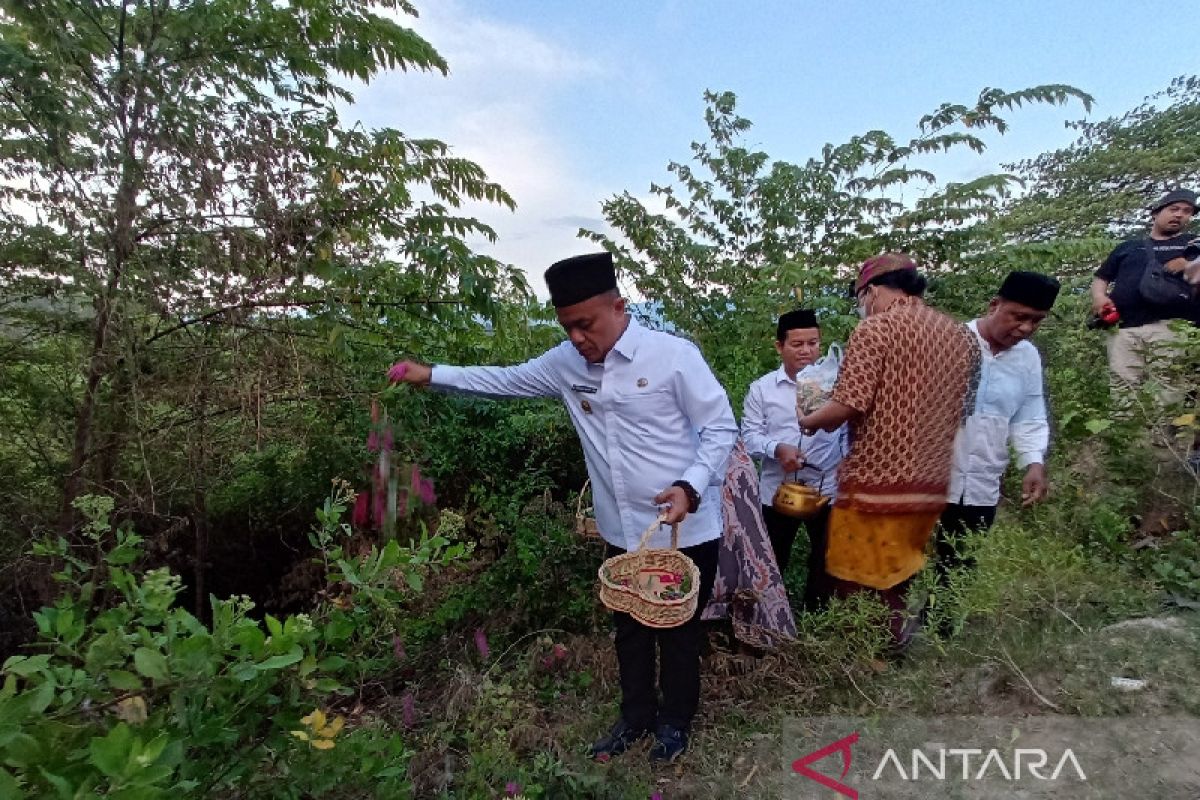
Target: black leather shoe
(619, 739)
(669, 744)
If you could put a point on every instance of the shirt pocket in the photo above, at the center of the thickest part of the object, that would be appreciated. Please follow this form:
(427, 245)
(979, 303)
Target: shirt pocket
(652, 417)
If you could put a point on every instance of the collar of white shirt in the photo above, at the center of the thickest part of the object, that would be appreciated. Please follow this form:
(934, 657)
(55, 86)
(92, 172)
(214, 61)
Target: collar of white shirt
(629, 341)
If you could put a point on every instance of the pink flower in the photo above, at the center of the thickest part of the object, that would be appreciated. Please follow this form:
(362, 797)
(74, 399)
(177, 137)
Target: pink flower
(409, 711)
(398, 647)
(380, 509)
(512, 789)
(425, 492)
(481, 643)
(373, 442)
(386, 441)
(548, 662)
(396, 373)
(656, 796)
(560, 651)
(360, 516)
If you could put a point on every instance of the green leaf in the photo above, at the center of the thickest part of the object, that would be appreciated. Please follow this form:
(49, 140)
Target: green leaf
(245, 672)
(60, 784)
(1095, 426)
(24, 666)
(22, 750)
(41, 697)
(110, 753)
(8, 786)
(332, 663)
(154, 749)
(123, 680)
(285, 660)
(151, 663)
(414, 580)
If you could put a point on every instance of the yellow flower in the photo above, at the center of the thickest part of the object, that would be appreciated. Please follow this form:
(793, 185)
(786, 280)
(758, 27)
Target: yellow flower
(321, 731)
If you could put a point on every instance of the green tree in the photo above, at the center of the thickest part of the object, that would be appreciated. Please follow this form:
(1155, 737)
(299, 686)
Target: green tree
(178, 182)
(743, 237)
(1101, 184)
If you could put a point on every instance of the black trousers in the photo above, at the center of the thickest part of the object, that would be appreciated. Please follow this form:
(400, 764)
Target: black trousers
(954, 523)
(676, 651)
(782, 529)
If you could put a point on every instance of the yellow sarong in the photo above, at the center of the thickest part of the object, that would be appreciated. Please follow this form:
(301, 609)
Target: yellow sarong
(877, 550)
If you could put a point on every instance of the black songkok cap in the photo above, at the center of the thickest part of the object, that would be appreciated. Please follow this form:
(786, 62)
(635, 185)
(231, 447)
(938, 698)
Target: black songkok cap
(580, 278)
(800, 318)
(1031, 289)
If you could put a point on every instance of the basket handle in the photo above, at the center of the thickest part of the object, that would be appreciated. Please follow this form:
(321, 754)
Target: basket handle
(646, 534)
(579, 501)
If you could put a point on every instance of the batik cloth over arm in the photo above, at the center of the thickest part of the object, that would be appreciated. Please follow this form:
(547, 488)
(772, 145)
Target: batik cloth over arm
(749, 589)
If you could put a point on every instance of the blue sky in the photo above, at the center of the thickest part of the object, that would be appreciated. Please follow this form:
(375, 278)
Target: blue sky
(567, 103)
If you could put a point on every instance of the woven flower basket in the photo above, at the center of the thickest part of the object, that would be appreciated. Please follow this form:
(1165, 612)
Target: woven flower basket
(657, 587)
(585, 524)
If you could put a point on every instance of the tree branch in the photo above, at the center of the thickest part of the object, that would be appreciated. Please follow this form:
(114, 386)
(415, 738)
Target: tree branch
(290, 304)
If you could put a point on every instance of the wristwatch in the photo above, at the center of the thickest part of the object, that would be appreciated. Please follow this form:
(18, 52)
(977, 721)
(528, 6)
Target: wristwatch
(692, 495)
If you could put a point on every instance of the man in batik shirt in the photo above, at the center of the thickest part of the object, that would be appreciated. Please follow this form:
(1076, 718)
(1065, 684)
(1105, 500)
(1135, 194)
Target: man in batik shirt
(903, 388)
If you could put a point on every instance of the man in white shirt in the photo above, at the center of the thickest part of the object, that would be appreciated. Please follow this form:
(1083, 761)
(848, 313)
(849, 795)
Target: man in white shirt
(772, 435)
(656, 430)
(1010, 409)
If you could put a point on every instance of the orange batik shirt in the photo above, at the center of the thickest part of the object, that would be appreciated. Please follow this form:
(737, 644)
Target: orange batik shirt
(910, 372)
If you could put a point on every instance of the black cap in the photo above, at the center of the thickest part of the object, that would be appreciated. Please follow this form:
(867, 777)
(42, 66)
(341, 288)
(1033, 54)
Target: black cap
(580, 278)
(800, 318)
(1031, 289)
(1175, 196)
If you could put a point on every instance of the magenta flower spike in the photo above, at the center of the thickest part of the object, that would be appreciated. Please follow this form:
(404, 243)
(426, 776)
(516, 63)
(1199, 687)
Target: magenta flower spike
(481, 643)
(512, 789)
(360, 516)
(380, 508)
(398, 648)
(409, 710)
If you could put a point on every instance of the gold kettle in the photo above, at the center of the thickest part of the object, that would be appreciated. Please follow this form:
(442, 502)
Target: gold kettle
(798, 500)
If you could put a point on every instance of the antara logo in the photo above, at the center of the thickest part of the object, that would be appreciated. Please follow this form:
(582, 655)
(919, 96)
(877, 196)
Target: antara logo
(842, 746)
(938, 764)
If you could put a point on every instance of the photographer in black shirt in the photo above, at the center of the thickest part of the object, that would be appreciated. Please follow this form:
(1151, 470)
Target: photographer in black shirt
(1144, 324)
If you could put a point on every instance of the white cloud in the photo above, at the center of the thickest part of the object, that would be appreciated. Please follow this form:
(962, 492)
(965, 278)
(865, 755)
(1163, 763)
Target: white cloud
(494, 108)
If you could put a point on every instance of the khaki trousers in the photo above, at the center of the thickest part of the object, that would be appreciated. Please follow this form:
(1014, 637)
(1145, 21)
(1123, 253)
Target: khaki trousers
(1132, 357)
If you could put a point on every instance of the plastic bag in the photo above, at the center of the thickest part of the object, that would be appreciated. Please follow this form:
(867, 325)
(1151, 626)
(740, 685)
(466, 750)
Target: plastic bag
(815, 382)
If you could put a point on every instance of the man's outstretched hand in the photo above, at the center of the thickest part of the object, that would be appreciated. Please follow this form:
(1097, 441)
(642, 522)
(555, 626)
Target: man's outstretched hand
(410, 372)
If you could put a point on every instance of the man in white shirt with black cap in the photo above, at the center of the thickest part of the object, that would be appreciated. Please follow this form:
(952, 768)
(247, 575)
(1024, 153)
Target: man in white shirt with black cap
(1010, 409)
(656, 430)
(771, 432)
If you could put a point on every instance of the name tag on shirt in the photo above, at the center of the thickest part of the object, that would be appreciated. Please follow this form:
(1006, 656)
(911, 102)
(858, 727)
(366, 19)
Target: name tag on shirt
(575, 387)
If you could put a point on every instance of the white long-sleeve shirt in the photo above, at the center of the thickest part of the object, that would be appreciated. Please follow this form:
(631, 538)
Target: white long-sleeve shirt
(1010, 408)
(769, 418)
(651, 414)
